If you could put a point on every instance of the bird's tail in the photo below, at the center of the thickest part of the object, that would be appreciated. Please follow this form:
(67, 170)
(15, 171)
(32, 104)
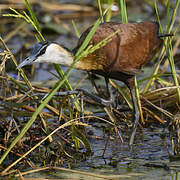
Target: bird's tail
(166, 35)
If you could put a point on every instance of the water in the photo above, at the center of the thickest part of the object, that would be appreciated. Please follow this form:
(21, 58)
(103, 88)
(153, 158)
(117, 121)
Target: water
(147, 159)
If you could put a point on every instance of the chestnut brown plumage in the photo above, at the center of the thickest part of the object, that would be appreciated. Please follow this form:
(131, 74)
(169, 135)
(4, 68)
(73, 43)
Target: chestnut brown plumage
(120, 59)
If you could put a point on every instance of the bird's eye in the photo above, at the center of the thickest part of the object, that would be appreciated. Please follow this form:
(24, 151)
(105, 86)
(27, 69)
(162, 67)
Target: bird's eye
(42, 51)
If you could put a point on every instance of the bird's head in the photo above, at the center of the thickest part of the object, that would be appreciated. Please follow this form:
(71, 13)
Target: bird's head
(48, 52)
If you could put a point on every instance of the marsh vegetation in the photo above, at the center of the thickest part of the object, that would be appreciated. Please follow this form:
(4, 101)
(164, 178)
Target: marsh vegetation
(40, 131)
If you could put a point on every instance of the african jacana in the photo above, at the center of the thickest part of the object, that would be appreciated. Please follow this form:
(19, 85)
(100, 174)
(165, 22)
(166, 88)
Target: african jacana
(120, 59)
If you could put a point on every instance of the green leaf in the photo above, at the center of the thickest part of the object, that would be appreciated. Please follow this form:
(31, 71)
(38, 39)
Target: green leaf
(33, 16)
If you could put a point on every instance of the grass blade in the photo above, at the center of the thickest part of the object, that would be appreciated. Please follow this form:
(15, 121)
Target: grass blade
(87, 40)
(52, 93)
(100, 10)
(76, 29)
(35, 20)
(123, 11)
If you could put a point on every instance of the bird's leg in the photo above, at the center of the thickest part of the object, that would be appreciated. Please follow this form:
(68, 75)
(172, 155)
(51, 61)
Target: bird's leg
(93, 83)
(130, 84)
(112, 93)
(135, 116)
(107, 86)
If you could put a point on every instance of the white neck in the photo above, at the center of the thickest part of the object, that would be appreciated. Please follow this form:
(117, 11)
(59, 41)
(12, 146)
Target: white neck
(56, 54)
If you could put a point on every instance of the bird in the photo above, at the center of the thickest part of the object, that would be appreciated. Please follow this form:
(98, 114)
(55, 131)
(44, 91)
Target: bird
(120, 59)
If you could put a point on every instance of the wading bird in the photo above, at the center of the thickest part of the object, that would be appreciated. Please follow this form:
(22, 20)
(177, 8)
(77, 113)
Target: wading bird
(120, 59)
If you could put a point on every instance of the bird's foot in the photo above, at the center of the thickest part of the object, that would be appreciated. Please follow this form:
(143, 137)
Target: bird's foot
(81, 92)
(96, 98)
